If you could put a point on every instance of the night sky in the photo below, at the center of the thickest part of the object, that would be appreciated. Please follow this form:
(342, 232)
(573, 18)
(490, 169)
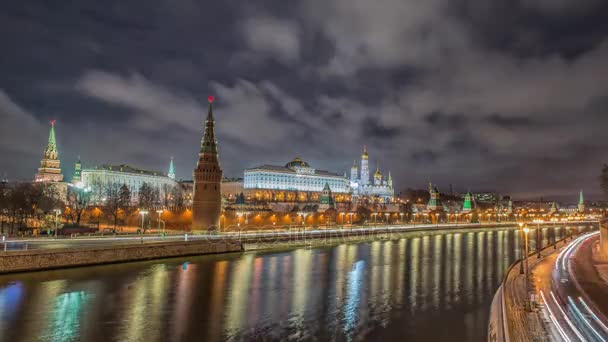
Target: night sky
(508, 95)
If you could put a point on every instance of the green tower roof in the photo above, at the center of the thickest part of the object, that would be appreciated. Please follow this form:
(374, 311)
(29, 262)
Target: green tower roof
(51, 148)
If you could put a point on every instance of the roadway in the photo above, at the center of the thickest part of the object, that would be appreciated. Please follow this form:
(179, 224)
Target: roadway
(574, 297)
(293, 233)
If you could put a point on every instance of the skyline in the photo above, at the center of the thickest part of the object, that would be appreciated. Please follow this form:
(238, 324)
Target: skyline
(471, 104)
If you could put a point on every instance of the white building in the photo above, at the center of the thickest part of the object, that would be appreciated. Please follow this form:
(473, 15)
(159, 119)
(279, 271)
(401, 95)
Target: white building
(296, 175)
(99, 177)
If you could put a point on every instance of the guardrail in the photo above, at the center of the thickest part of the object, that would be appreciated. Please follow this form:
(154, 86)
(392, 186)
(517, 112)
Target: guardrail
(504, 335)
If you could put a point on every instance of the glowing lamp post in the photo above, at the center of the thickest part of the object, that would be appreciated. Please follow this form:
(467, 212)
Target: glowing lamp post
(526, 231)
(57, 212)
(521, 246)
(143, 215)
(160, 212)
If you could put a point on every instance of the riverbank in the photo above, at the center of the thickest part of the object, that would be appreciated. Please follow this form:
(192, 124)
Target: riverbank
(44, 254)
(38, 260)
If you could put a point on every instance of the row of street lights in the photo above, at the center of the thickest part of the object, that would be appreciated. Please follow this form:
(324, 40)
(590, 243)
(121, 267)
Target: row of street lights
(143, 214)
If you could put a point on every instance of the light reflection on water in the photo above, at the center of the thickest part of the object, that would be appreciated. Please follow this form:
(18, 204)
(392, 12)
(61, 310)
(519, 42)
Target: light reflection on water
(434, 287)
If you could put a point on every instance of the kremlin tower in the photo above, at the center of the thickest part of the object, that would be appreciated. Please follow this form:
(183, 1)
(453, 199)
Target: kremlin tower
(49, 170)
(364, 167)
(206, 202)
(171, 173)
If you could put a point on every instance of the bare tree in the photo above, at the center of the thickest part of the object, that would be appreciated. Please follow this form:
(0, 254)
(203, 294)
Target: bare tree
(78, 200)
(148, 196)
(118, 200)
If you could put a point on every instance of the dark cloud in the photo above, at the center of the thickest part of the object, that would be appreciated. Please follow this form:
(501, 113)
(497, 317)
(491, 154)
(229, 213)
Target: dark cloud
(508, 95)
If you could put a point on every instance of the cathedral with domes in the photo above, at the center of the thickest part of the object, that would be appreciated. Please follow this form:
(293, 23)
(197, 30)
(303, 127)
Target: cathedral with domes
(379, 187)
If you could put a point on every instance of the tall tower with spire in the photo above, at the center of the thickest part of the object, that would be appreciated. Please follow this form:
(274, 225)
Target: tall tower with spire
(354, 172)
(49, 170)
(206, 201)
(171, 173)
(390, 180)
(77, 178)
(364, 167)
(581, 202)
(467, 206)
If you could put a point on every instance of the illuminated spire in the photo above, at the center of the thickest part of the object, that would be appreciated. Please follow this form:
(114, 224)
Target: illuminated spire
(171, 173)
(581, 199)
(51, 148)
(390, 180)
(467, 206)
(364, 155)
(209, 143)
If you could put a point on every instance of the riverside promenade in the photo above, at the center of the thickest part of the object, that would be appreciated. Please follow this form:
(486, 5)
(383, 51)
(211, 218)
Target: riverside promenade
(560, 308)
(22, 255)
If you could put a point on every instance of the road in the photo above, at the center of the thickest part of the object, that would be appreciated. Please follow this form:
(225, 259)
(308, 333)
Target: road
(294, 233)
(574, 297)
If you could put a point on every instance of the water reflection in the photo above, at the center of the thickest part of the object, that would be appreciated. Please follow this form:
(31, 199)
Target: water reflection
(379, 290)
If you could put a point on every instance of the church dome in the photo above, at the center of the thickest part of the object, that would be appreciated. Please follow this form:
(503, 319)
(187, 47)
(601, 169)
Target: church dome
(296, 162)
(377, 174)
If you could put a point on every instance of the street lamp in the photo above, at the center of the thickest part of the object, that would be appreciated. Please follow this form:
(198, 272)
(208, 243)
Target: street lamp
(526, 231)
(57, 212)
(160, 212)
(521, 246)
(538, 238)
(143, 215)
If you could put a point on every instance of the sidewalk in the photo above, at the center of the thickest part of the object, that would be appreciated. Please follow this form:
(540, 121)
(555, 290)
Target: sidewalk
(522, 325)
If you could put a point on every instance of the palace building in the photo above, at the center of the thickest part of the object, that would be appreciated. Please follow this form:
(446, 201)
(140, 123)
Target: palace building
(360, 185)
(297, 181)
(99, 177)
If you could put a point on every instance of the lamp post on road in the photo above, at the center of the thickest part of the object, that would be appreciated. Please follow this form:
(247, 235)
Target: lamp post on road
(143, 215)
(521, 247)
(160, 212)
(526, 231)
(57, 212)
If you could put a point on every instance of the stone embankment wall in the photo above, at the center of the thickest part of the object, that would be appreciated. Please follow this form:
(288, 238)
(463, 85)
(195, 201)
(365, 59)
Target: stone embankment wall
(36, 260)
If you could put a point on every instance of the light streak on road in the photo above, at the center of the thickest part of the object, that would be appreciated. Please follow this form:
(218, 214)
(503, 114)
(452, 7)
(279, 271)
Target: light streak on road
(578, 333)
(582, 317)
(597, 319)
(553, 319)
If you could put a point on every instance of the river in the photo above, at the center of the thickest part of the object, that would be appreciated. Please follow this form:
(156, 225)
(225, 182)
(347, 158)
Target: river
(419, 288)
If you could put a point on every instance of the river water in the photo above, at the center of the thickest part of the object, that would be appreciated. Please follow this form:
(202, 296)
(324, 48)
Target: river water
(419, 288)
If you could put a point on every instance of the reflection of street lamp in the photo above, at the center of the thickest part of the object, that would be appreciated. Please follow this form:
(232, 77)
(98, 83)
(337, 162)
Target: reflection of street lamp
(143, 214)
(526, 231)
(57, 212)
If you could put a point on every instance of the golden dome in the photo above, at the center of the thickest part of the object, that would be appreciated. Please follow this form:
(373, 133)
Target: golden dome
(297, 161)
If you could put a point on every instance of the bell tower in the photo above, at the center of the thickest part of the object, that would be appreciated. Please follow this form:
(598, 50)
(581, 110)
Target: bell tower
(207, 202)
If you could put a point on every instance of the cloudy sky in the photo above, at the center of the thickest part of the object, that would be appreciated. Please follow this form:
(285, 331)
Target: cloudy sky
(509, 95)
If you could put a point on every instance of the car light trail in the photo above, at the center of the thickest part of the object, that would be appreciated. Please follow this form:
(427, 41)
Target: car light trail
(580, 314)
(578, 333)
(597, 319)
(553, 319)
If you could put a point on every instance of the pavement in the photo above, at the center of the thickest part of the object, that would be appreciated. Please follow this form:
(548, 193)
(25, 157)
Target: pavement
(293, 233)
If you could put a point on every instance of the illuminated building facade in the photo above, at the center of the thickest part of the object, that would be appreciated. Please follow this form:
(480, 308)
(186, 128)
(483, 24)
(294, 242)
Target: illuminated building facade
(295, 176)
(360, 186)
(98, 178)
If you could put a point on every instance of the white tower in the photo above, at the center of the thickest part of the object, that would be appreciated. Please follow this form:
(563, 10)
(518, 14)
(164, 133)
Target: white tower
(354, 172)
(364, 167)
